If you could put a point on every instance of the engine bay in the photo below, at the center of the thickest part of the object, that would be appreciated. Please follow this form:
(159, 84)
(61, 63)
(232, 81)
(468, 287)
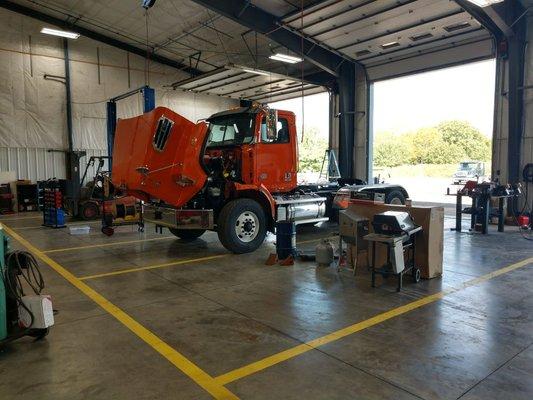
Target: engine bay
(224, 163)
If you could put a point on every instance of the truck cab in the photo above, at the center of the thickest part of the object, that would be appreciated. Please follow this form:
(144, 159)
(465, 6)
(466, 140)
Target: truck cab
(254, 152)
(469, 171)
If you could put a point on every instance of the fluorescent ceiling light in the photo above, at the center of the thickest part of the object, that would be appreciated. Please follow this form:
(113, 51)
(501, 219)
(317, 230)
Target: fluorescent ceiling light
(286, 58)
(57, 32)
(485, 3)
(256, 71)
(389, 45)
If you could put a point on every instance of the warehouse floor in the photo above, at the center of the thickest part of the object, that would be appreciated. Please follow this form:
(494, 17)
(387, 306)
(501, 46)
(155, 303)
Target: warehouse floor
(148, 317)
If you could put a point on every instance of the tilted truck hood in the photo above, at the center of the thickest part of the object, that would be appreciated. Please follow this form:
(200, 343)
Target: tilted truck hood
(164, 166)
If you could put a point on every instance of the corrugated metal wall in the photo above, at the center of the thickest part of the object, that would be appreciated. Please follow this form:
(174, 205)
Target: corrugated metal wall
(40, 164)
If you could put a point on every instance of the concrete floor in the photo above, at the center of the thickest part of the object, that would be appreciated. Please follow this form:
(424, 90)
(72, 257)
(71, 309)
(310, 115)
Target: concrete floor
(227, 312)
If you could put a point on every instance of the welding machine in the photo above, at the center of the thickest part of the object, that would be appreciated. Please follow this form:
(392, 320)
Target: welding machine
(21, 314)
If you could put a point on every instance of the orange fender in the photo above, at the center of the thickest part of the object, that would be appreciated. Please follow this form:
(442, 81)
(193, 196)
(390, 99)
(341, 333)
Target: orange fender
(260, 190)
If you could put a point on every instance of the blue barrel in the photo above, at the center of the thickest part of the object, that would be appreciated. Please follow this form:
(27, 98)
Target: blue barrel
(285, 239)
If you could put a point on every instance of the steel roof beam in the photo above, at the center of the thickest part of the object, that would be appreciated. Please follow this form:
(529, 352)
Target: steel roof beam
(479, 14)
(29, 12)
(257, 19)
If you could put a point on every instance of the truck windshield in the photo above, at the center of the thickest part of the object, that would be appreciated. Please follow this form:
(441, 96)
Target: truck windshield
(467, 166)
(231, 130)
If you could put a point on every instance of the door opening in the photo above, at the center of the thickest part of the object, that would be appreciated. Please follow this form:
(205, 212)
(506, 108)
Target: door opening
(433, 131)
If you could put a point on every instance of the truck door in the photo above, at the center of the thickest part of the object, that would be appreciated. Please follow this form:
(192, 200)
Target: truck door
(276, 159)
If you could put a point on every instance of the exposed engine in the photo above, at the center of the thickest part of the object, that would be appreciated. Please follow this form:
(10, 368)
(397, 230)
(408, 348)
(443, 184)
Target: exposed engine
(224, 163)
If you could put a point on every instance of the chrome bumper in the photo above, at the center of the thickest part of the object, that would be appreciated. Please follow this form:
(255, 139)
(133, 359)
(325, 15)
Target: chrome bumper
(178, 218)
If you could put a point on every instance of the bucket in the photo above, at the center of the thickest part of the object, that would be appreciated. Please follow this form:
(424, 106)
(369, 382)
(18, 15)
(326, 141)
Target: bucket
(523, 220)
(285, 239)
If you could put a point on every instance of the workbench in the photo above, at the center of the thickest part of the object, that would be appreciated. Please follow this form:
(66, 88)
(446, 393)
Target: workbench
(480, 211)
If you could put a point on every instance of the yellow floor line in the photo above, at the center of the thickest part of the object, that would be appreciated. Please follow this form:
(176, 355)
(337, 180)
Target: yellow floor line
(14, 219)
(19, 228)
(270, 361)
(316, 240)
(92, 246)
(169, 264)
(202, 378)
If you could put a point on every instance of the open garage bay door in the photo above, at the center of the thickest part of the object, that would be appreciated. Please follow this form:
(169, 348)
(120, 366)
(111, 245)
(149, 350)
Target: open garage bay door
(396, 37)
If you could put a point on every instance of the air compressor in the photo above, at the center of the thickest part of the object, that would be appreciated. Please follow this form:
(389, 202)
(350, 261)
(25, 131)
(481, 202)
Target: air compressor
(22, 314)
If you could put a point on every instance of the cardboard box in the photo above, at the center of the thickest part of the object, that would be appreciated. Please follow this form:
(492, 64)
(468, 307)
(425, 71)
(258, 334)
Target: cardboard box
(429, 243)
(357, 258)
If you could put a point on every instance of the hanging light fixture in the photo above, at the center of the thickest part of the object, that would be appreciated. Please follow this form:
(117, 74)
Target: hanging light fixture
(286, 58)
(58, 32)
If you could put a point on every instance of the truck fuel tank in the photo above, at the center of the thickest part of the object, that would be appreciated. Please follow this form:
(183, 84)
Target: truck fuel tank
(300, 209)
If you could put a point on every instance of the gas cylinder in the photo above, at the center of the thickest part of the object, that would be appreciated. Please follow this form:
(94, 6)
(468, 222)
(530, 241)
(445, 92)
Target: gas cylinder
(324, 253)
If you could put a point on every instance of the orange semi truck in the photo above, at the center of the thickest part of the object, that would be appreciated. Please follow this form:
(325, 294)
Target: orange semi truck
(235, 173)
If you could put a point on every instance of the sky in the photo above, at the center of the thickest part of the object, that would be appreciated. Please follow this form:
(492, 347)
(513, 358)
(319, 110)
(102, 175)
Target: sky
(404, 104)
(315, 111)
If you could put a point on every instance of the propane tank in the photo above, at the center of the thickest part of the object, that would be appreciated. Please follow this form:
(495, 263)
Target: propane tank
(324, 253)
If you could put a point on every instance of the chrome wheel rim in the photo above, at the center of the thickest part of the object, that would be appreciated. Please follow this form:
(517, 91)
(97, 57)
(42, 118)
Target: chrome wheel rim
(396, 201)
(247, 226)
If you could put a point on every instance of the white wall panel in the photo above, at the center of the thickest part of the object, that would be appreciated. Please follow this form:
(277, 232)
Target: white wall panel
(33, 109)
(39, 164)
(32, 163)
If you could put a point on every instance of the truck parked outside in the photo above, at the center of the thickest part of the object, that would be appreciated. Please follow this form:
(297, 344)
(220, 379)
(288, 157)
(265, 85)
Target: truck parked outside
(469, 171)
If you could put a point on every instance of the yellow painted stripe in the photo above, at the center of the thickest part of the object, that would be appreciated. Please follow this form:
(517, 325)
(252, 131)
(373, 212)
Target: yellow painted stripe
(194, 372)
(92, 246)
(349, 330)
(316, 240)
(19, 228)
(169, 264)
(14, 219)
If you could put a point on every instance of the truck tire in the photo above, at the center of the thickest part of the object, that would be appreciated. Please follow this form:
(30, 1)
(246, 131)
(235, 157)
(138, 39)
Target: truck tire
(395, 197)
(187, 235)
(242, 226)
(89, 210)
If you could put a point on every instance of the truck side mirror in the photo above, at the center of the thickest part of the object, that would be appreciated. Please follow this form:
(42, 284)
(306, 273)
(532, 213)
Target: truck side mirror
(272, 124)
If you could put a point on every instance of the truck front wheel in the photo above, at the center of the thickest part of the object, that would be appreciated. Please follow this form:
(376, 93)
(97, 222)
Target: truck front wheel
(242, 226)
(187, 235)
(395, 197)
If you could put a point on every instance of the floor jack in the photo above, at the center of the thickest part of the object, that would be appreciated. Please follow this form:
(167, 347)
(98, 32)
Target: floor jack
(21, 314)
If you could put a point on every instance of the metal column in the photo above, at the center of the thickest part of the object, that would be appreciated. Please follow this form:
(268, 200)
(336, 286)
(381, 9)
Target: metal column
(517, 45)
(111, 108)
(346, 89)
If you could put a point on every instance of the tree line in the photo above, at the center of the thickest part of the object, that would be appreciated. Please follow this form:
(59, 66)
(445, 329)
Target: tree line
(447, 143)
